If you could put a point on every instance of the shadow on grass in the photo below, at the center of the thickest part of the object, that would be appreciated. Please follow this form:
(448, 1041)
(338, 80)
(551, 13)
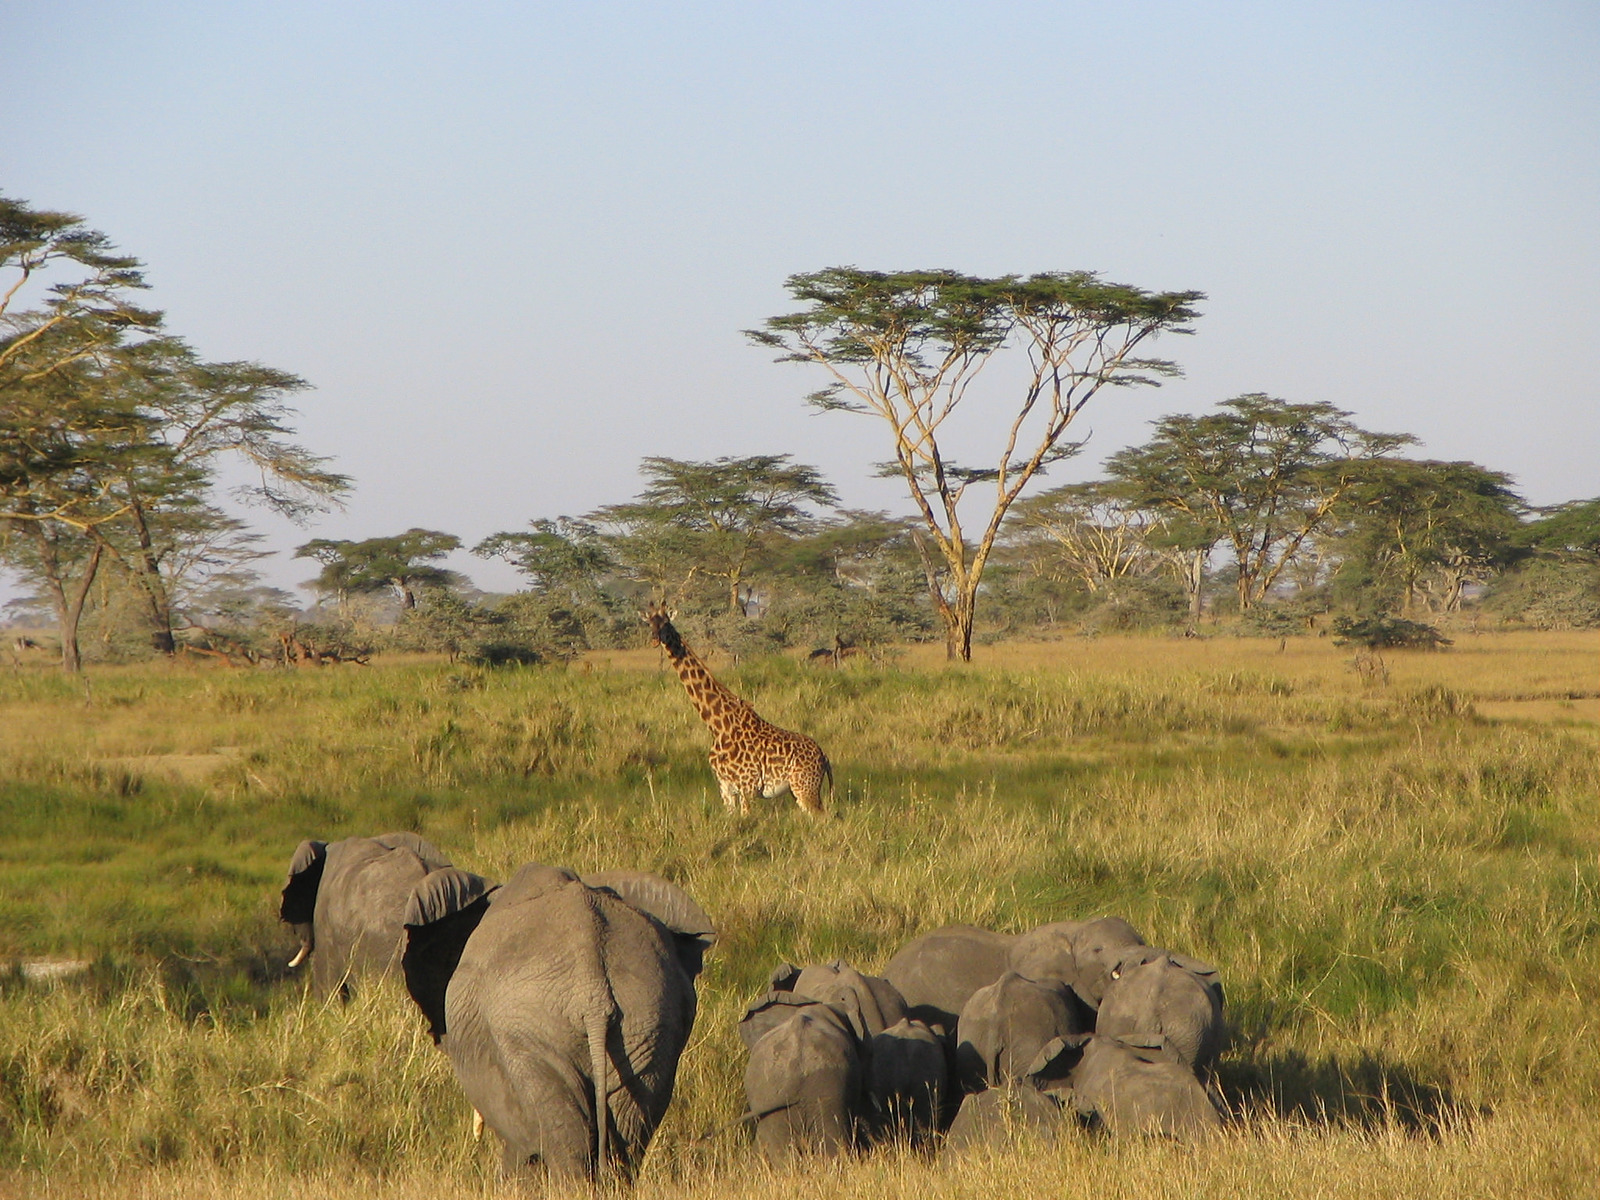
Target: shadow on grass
(1365, 1092)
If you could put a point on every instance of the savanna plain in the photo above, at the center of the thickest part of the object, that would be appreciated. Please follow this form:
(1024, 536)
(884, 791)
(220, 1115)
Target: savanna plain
(1398, 877)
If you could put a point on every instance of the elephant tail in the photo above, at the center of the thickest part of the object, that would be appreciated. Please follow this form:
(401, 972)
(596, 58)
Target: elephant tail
(597, 1022)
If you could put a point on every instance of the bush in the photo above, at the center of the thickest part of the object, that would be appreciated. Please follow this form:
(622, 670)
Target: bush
(1387, 633)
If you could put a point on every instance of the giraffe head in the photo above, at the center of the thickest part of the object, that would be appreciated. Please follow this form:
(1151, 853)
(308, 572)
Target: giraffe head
(662, 632)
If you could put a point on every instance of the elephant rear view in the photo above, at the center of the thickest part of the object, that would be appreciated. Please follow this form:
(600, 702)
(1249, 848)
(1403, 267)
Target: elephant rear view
(347, 903)
(563, 1004)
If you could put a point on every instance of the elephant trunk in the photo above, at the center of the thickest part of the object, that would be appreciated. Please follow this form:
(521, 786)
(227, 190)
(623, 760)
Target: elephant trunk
(308, 943)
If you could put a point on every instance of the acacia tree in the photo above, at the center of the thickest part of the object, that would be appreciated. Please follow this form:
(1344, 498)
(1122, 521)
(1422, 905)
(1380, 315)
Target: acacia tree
(713, 518)
(1427, 529)
(1092, 532)
(907, 346)
(1264, 474)
(200, 412)
(110, 431)
(403, 563)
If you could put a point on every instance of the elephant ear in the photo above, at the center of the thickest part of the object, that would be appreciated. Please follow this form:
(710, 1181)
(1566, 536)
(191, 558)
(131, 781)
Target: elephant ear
(418, 845)
(442, 913)
(299, 903)
(1051, 1067)
(668, 904)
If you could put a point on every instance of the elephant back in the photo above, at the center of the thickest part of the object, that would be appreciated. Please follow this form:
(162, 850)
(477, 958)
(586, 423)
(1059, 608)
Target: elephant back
(937, 972)
(430, 854)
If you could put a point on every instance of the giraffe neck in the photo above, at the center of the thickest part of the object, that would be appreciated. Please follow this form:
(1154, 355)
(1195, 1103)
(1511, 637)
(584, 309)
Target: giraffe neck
(718, 707)
(712, 700)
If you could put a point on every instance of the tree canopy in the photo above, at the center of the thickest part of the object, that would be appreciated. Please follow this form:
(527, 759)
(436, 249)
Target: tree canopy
(402, 562)
(907, 346)
(1263, 473)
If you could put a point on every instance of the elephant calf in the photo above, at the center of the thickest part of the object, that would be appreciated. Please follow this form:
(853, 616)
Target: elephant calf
(804, 1084)
(834, 1061)
(1079, 954)
(563, 1004)
(1154, 993)
(1141, 1086)
(347, 901)
(1005, 1025)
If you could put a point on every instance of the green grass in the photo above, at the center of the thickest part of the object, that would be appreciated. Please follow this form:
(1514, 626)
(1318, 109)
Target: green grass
(1403, 896)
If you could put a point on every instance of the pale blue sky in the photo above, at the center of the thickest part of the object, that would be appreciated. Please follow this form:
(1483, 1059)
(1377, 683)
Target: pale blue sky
(513, 245)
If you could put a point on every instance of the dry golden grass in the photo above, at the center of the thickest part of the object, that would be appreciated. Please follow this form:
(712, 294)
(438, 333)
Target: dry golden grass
(1403, 895)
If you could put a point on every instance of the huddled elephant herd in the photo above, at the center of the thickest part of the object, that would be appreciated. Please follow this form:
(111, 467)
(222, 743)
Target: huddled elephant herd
(564, 1002)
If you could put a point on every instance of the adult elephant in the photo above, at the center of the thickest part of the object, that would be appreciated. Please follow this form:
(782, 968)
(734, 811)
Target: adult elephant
(564, 1004)
(938, 971)
(347, 900)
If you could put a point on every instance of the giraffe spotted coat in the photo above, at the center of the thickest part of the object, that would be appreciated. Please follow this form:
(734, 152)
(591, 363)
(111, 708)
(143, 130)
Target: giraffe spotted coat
(749, 756)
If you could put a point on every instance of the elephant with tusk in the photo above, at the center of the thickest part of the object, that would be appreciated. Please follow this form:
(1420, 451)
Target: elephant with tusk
(345, 901)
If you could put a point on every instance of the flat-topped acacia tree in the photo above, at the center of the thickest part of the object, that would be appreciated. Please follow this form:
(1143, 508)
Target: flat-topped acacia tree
(908, 345)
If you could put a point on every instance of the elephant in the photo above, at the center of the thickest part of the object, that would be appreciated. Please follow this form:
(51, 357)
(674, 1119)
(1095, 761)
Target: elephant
(1139, 1085)
(1080, 954)
(804, 1083)
(1154, 993)
(991, 1118)
(873, 1003)
(1005, 1025)
(563, 1003)
(834, 1061)
(937, 972)
(908, 1076)
(346, 902)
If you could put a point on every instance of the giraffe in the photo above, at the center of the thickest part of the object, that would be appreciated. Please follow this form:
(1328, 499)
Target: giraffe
(748, 755)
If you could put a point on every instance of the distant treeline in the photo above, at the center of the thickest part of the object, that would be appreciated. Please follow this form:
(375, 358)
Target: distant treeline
(1264, 515)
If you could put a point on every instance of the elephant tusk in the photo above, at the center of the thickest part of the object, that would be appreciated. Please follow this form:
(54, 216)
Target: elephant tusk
(300, 956)
(477, 1125)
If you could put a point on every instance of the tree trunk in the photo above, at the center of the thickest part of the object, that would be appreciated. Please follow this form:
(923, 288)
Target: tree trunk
(952, 640)
(959, 641)
(155, 590)
(69, 609)
(1196, 581)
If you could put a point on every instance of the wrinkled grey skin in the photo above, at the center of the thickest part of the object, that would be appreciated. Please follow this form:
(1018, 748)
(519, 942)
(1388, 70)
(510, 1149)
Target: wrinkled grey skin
(907, 1080)
(937, 972)
(993, 1118)
(562, 992)
(872, 1003)
(1080, 954)
(346, 902)
(804, 1084)
(1155, 994)
(1130, 1088)
(1004, 1026)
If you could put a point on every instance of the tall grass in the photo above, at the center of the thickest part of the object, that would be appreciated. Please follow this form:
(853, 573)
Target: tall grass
(1403, 896)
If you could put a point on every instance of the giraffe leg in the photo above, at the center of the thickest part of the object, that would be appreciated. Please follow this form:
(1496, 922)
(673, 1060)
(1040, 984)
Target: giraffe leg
(731, 795)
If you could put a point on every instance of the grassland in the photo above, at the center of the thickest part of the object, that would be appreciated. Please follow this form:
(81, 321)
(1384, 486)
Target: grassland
(1400, 881)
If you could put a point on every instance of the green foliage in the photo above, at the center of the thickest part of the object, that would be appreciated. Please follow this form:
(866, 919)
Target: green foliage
(1548, 594)
(1423, 531)
(1263, 476)
(716, 520)
(1571, 529)
(402, 562)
